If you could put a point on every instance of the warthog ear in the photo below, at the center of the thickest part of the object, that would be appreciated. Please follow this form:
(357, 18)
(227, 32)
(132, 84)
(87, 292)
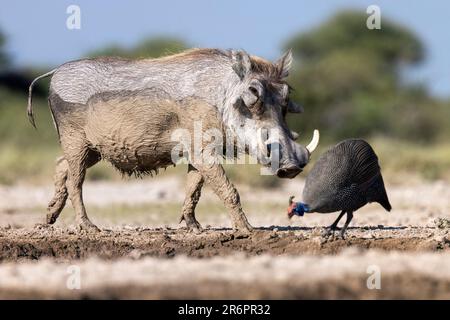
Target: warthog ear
(283, 64)
(294, 135)
(241, 63)
(294, 108)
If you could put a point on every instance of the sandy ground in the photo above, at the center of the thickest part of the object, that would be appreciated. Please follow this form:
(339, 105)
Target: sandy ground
(142, 251)
(416, 204)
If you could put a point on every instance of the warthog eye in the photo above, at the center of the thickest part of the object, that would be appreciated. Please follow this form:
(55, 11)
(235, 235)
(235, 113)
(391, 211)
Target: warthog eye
(254, 96)
(254, 91)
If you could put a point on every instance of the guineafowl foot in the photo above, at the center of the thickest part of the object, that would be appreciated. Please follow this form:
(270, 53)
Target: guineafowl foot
(344, 229)
(329, 231)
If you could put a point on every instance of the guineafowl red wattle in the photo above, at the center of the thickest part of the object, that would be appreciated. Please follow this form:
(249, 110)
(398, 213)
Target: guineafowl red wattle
(345, 178)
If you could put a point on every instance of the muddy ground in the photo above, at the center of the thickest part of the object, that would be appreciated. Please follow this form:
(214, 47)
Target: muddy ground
(66, 244)
(142, 252)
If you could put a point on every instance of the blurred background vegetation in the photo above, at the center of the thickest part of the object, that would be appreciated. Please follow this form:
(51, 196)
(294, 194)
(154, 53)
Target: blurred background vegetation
(352, 82)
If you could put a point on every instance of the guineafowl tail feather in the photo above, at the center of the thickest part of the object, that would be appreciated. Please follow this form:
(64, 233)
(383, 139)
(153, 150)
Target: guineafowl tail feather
(377, 193)
(384, 200)
(385, 203)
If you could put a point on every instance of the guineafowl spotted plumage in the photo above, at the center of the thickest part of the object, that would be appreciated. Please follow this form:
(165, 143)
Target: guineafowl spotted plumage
(345, 178)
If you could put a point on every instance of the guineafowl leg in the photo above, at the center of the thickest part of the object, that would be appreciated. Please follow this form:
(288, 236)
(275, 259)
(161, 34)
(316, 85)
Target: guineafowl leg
(333, 227)
(347, 222)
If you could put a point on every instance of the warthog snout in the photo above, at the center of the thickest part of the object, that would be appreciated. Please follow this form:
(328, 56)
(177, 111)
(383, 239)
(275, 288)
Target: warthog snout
(288, 172)
(297, 157)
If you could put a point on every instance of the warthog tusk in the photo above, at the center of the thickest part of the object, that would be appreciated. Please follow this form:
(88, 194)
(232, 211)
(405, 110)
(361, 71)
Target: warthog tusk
(314, 142)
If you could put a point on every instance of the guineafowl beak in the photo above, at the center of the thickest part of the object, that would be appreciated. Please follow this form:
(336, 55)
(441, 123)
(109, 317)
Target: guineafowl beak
(291, 208)
(296, 208)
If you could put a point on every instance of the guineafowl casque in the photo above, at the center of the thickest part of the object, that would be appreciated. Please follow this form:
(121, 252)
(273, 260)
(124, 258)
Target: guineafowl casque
(345, 178)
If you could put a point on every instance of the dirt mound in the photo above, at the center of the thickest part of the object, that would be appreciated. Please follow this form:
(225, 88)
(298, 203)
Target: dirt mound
(67, 244)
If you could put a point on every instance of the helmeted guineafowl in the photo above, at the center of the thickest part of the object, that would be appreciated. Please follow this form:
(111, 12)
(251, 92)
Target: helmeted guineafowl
(345, 178)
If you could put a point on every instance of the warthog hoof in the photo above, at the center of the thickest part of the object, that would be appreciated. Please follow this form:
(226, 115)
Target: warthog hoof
(191, 223)
(194, 226)
(87, 226)
(197, 229)
(51, 218)
(43, 225)
(243, 227)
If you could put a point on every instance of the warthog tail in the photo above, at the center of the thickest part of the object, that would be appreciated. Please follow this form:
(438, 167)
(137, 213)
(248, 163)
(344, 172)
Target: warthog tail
(30, 94)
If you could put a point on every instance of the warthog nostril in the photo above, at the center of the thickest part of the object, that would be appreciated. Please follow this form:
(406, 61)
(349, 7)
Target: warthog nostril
(288, 172)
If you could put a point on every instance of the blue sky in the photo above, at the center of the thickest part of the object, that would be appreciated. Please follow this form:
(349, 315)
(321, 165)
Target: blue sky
(37, 32)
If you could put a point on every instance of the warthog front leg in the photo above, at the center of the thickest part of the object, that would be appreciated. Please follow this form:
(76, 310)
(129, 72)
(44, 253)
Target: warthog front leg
(194, 186)
(215, 176)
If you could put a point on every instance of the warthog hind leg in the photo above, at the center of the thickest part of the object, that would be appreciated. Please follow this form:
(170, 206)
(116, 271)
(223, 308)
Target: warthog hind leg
(79, 158)
(194, 186)
(56, 205)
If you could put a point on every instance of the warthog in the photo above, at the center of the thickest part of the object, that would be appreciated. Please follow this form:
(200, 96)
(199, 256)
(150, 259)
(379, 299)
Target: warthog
(125, 111)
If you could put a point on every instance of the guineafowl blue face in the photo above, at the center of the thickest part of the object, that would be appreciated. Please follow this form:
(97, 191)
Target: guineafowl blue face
(296, 208)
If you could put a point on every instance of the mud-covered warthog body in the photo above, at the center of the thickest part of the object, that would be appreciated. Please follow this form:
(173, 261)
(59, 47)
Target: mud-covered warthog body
(126, 111)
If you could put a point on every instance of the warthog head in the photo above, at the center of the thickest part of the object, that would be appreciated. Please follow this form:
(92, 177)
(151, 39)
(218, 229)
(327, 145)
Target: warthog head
(257, 110)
